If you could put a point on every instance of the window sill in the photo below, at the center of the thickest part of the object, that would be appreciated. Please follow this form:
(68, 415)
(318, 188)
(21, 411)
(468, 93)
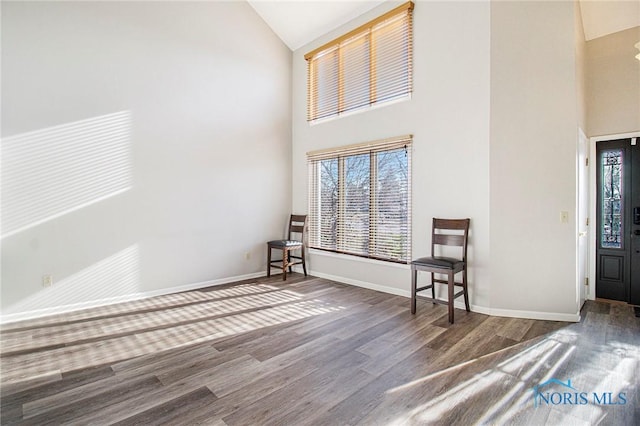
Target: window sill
(348, 257)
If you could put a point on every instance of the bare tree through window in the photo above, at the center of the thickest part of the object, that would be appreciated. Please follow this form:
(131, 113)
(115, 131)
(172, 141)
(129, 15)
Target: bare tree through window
(360, 204)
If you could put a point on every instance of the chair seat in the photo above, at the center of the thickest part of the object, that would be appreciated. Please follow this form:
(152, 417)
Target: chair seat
(284, 243)
(439, 262)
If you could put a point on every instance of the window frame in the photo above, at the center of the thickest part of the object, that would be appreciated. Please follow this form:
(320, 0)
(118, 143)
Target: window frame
(315, 212)
(337, 46)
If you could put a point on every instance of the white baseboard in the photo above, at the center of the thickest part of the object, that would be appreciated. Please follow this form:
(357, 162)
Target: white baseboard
(358, 283)
(548, 316)
(20, 316)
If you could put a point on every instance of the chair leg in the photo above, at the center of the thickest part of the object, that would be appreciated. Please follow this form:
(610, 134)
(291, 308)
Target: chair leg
(304, 264)
(268, 261)
(450, 302)
(289, 261)
(464, 287)
(433, 287)
(414, 279)
(285, 256)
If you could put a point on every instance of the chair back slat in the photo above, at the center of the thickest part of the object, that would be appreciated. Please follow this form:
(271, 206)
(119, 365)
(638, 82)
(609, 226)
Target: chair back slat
(449, 240)
(302, 218)
(297, 228)
(460, 224)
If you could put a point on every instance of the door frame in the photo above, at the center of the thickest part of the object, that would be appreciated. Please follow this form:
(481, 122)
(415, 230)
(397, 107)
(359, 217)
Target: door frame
(591, 294)
(582, 232)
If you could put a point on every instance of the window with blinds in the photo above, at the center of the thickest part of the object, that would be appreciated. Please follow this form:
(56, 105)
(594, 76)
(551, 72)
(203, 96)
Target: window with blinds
(360, 200)
(367, 66)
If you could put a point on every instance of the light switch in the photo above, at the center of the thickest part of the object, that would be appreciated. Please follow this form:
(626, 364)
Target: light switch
(564, 217)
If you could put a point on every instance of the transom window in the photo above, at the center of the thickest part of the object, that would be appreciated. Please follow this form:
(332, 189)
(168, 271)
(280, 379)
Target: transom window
(369, 65)
(360, 200)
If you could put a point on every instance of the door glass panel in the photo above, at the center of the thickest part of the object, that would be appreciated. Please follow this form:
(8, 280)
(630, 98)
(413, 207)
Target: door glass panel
(612, 219)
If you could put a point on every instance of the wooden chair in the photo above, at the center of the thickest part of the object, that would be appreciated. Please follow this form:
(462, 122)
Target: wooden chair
(443, 265)
(298, 225)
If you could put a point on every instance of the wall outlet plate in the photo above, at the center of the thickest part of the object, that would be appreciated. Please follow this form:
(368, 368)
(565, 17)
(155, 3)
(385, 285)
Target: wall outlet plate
(47, 280)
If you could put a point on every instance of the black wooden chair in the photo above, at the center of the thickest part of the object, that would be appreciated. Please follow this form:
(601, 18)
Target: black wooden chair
(297, 225)
(443, 265)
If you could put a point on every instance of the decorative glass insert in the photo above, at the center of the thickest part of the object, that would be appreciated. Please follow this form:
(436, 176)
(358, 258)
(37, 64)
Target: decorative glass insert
(612, 219)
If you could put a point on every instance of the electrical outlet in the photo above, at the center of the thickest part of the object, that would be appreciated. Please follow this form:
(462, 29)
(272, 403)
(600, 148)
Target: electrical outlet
(47, 280)
(247, 255)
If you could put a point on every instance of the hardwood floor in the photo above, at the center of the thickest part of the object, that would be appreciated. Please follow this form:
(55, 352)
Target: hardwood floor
(313, 351)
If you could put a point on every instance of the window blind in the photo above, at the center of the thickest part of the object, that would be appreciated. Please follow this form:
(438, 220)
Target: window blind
(360, 199)
(367, 66)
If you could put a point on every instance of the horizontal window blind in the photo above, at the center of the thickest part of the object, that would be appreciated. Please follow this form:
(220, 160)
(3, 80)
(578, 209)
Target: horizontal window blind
(360, 199)
(369, 65)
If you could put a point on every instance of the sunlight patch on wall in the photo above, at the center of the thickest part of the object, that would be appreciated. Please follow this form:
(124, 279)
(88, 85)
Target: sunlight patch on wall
(111, 277)
(50, 172)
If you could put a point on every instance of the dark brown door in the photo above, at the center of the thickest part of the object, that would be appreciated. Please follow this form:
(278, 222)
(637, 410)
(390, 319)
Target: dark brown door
(618, 220)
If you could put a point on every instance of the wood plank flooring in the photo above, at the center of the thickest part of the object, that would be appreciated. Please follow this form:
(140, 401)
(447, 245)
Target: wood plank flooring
(311, 351)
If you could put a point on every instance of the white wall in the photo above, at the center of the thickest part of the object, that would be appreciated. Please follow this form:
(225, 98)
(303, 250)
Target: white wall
(170, 96)
(449, 118)
(494, 116)
(534, 128)
(145, 146)
(581, 67)
(613, 92)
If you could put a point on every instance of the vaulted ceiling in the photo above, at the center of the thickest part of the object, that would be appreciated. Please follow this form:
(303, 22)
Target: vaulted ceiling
(603, 17)
(297, 22)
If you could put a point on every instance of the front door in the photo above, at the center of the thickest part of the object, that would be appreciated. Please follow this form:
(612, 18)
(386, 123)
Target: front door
(618, 220)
